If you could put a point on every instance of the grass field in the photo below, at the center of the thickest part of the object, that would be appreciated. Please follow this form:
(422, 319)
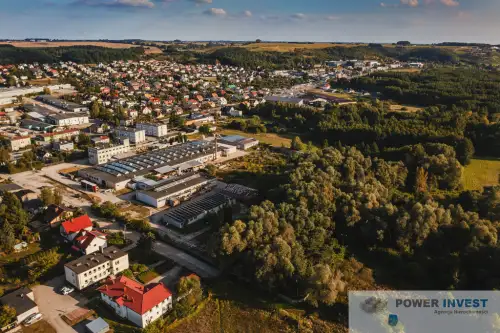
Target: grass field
(480, 173)
(268, 138)
(329, 94)
(149, 50)
(404, 108)
(147, 276)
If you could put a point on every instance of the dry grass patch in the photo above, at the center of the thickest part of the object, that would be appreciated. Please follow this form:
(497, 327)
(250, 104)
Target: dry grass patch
(290, 47)
(39, 327)
(330, 94)
(404, 108)
(480, 173)
(267, 138)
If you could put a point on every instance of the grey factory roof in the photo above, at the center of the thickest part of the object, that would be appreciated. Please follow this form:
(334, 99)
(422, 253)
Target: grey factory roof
(92, 260)
(138, 165)
(59, 102)
(191, 209)
(61, 116)
(173, 185)
(19, 300)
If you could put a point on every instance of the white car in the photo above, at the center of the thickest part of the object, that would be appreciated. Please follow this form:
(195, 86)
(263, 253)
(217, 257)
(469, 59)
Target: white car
(32, 319)
(67, 290)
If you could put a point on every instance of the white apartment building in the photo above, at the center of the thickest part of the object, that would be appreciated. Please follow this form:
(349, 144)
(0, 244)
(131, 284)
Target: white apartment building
(133, 134)
(101, 155)
(95, 267)
(151, 129)
(19, 142)
(140, 304)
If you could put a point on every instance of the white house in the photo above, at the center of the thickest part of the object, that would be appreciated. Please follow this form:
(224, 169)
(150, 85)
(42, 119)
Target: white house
(100, 155)
(90, 241)
(71, 228)
(19, 142)
(135, 135)
(96, 267)
(152, 129)
(140, 304)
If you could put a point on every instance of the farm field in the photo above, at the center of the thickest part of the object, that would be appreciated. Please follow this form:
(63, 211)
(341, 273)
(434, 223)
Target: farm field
(268, 138)
(480, 173)
(288, 47)
(149, 49)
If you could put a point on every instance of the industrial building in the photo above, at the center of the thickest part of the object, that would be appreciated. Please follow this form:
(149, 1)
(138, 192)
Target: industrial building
(173, 189)
(133, 134)
(62, 104)
(68, 119)
(118, 174)
(152, 129)
(196, 209)
(239, 141)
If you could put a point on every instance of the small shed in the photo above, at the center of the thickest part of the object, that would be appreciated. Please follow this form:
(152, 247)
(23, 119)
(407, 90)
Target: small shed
(97, 326)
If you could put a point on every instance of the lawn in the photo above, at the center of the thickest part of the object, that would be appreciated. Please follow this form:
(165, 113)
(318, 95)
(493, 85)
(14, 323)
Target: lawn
(16, 256)
(147, 276)
(290, 47)
(480, 173)
(268, 138)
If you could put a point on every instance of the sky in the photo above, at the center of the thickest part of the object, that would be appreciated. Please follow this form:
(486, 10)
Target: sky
(419, 21)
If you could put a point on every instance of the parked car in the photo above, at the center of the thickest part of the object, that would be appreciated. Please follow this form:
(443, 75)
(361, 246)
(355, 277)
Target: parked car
(67, 290)
(33, 318)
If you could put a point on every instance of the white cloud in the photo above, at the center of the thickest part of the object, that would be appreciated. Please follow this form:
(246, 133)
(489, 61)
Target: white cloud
(117, 3)
(299, 16)
(200, 2)
(247, 13)
(215, 12)
(411, 3)
(450, 3)
(332, 17)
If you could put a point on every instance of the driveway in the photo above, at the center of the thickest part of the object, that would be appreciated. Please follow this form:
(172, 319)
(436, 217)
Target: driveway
(53, 305)
(201, 268)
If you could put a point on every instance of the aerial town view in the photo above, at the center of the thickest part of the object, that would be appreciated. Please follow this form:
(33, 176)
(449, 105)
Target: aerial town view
(202, 166)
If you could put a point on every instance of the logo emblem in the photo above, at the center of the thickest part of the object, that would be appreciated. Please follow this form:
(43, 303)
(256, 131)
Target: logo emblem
(374, 305)
(393, 320)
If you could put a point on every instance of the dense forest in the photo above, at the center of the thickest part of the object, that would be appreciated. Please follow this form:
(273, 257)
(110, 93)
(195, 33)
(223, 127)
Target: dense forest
(302, 57)
(469, 88)
(79, 54)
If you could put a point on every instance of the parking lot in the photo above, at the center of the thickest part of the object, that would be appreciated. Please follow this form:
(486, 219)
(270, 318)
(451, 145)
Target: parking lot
(53, 305)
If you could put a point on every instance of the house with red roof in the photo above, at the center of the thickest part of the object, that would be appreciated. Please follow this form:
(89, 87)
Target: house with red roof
(71, 228)
(88, 242)
(138, 303)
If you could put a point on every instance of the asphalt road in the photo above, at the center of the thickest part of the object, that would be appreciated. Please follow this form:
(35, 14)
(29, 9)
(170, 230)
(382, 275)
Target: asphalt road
(201, 268)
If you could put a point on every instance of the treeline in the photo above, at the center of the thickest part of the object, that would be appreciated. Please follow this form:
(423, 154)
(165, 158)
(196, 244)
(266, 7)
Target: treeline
(472, 89)
(238, 56)
(338, 204)
(79, 54)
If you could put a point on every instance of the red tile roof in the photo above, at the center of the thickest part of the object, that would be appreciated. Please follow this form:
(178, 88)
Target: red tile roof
(77, 224)
(85, 240)
(133, 295)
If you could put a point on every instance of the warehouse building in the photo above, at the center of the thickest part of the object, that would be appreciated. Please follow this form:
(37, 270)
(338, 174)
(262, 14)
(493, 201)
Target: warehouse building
(62, 104)
(179, 158)
(239, 141)
(174, 189)
(196, 209)
(68, 119)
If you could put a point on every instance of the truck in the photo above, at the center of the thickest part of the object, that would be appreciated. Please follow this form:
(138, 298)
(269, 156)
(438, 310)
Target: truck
(89, 186)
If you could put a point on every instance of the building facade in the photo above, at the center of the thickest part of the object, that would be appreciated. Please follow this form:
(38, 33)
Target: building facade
(156, 130)
(101, 155)
(140, 304)
(133, 134)
(68, 119)
(19, 142)
(96, 267)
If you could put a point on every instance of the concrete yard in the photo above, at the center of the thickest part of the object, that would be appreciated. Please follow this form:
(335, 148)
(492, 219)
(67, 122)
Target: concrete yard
(53, 305)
